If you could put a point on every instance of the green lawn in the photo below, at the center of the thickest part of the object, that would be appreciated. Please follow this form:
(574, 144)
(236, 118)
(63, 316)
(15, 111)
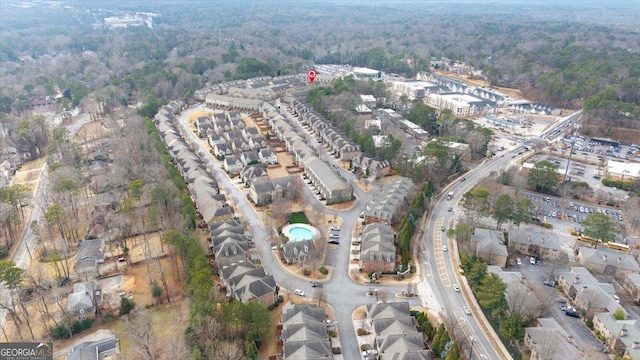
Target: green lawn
(298, 218)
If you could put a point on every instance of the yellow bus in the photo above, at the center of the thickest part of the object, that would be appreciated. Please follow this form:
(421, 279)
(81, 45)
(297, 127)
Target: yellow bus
(589, 240)
(618, 246)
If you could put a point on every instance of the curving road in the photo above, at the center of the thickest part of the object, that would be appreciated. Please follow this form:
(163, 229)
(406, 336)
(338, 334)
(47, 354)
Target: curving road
(440, 263)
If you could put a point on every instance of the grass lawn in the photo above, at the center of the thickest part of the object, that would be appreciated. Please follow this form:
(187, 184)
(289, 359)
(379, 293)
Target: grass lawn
(298, 218)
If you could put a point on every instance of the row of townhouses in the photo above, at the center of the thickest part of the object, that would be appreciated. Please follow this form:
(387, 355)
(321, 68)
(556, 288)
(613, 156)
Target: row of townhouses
(328, 182)
(244, 280)
(337, 142)
(377, 241)
(302, 333)
(396, 332)
(229, 244)
(200, 179)
(263, 88)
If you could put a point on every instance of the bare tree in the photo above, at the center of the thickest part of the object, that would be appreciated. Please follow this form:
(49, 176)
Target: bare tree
(553, 264)
(542, 304)
(228, 350)
(384, 296)
(138, 327)
(547, 346)
(320, 246)
(518, 298)
(320, 294)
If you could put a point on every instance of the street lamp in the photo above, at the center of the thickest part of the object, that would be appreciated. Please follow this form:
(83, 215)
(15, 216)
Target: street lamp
(573, 142)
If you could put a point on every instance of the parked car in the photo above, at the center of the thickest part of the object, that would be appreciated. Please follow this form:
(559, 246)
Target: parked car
(314, 284)
(444, 248)
(335, 228)
(532, 260)
(518, 262)
(450, 209)
(572, 313)
(456, 288)
(549, 283)
(334, 241)
(298, 292)
(334, 236)
(466, 310)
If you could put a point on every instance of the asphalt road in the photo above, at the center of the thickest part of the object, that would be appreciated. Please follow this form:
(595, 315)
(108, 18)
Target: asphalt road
(440, 262)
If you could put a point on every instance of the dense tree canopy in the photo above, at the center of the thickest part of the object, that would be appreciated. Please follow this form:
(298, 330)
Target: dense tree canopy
(599, 226)
(543, 177)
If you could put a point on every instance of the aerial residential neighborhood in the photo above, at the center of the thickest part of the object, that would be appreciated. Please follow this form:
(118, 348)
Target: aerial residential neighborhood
(264, 180)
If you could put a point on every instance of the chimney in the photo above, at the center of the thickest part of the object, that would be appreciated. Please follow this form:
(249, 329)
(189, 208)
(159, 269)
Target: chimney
(623, 332)
(528, 238)
(541, 240)
(604, 258)
(635, 345)
(618, 261)
(584, 288)
(576, 280)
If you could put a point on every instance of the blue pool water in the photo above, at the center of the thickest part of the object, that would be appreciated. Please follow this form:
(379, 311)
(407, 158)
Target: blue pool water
(301, 233)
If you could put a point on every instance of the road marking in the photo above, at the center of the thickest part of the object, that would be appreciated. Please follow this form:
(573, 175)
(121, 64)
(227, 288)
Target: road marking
(439, 254)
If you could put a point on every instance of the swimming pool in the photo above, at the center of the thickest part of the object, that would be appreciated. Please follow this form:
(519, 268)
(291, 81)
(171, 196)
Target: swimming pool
(299, 232)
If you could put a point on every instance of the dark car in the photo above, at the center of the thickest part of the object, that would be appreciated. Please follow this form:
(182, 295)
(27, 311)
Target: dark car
(572, 313)
(549, 283)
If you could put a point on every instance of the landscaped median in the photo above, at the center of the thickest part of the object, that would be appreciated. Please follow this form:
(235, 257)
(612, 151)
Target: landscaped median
(475, 308)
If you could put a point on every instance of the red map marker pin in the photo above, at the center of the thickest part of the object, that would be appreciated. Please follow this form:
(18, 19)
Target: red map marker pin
(311, 75)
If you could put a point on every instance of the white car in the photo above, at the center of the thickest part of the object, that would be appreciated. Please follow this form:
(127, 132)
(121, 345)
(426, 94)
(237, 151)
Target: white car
(334, 236)
(532, 260)
(456, 288)
(444, 248)
(518, 261)
(298, 292)
(466, 310)
(335, 228)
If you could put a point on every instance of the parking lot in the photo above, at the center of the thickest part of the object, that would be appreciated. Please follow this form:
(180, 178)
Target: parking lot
(575, 327)
(562, 213)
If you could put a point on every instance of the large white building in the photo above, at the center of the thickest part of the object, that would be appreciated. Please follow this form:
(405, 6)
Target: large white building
(417, 89)
(623, 170)
(462, 104)
(366, 73)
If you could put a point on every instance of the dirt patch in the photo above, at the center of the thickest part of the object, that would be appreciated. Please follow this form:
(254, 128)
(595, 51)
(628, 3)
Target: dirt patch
(621, 134)
(196, 114)
(90, 131)
(28, 174)
(139, 274)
